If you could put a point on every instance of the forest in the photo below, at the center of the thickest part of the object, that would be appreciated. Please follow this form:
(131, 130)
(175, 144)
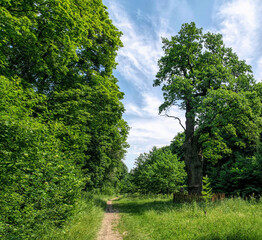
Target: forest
(63, 137)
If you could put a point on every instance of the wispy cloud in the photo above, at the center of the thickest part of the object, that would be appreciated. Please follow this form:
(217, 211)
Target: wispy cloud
(142, 47)
(149, 129)
(133, 110)
(178, 10)
(138, 65)
(138, 59)
(259, 69)
(146, 133)
(240, 24)
(151, 104)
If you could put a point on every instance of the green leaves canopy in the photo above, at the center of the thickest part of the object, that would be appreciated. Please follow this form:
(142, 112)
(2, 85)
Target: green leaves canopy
(229, 121)
(194, 62)
(158, 172)
(66, 50)
(44, 41)
(39, 183)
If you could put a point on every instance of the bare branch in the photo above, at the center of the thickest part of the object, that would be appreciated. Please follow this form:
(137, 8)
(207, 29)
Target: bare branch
(177, 118)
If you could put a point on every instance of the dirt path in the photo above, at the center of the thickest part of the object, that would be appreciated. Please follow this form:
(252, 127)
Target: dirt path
(110, 220)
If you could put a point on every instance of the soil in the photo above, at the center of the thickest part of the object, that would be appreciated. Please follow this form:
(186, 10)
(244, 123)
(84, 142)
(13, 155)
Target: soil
(111, 218)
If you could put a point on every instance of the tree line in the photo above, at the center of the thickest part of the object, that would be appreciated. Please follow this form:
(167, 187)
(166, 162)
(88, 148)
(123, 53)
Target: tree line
(61, 125)
(222, 103)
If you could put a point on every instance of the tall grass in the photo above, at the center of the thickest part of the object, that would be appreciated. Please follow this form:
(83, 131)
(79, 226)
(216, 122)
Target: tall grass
(85, 222)
(159, 219)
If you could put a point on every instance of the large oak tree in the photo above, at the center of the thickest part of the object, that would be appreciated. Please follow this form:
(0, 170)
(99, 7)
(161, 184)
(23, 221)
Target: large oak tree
(193, 64)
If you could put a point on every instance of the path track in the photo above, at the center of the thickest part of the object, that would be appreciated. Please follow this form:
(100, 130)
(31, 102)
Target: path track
(110, 220)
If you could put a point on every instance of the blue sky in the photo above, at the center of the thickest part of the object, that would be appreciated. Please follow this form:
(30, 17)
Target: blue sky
(143, 23)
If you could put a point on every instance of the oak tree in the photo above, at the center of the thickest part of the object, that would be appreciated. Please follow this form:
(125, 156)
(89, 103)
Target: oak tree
(193, 64)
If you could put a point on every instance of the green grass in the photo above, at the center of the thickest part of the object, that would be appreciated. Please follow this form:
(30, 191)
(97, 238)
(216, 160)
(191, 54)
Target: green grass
(85, 222)
(148, 219)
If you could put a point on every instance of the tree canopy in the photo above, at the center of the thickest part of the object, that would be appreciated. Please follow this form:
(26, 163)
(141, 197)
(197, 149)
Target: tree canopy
(54, 42)
(158, 171)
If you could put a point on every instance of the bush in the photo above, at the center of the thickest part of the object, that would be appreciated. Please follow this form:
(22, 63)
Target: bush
(39, 183)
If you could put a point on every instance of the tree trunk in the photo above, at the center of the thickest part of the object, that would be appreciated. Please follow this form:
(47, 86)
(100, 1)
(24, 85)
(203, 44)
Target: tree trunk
(192, 154)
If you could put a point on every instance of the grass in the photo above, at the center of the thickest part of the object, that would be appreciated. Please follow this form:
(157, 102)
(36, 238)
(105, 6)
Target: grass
(149, 219)
(85, 222)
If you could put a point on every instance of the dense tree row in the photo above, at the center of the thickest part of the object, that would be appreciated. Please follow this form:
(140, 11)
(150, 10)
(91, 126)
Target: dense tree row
(61, 125)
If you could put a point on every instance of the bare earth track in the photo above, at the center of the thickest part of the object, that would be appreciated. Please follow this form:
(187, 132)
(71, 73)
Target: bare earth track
(110, 220)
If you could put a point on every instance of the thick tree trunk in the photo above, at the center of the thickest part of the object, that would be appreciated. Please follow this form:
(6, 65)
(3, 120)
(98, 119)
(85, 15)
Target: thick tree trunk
(192, 154)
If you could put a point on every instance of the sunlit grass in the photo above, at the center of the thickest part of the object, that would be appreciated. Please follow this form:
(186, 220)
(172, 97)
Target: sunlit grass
(85, 222)
(148, 219)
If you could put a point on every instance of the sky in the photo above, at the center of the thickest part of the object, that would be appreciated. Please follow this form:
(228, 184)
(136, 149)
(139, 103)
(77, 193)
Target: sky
(143, 23)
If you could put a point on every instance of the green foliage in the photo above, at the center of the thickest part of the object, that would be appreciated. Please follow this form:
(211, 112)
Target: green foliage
(235, 146)
(206, 192)
(39, 183)
(98, 136)
(52, 42)
(61, 121)
(67, 50)
(158, 172)
(176, 145)
(195, 62)
(238, 176)
(229, 121)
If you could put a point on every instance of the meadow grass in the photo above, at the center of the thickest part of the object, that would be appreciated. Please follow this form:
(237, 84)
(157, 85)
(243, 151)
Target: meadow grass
(148, 219)
(85, 222)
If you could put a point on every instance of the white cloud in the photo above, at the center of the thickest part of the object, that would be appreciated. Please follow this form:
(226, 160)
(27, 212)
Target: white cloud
(180, 9)
(132, 109)
(149, 129)
(138, 65)
(142, 47)
(145, 134)
(155, 129)
(148, 125)
(151, 104)
(240, 24)
(259, 69)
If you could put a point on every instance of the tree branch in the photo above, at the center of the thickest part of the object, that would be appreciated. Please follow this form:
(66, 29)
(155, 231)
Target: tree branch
(177, 118)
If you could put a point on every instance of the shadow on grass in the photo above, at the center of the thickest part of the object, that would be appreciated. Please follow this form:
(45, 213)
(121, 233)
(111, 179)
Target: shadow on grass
(229, 237)
(160, 206)
(98, 202)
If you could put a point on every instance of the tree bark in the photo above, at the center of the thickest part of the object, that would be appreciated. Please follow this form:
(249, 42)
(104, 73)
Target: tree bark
(192, 153)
